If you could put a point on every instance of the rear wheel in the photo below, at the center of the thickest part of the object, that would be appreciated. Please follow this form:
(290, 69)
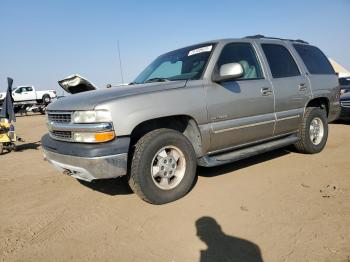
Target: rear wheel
(46, 99)
(163, 167)
(1, 148)
(313, 131)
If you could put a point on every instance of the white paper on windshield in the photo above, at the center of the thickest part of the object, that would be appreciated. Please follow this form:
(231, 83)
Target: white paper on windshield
(200, 50)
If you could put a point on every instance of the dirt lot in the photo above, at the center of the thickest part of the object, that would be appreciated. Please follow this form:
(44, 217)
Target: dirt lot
(280, 206)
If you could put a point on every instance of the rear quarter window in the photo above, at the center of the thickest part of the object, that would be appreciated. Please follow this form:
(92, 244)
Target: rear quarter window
(315, 61)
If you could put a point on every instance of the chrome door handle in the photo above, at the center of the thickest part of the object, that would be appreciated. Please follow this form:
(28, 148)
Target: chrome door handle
(266, 91)
(302, 87)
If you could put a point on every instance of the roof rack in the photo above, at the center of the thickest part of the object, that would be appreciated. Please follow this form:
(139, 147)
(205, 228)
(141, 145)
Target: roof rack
(275, 38)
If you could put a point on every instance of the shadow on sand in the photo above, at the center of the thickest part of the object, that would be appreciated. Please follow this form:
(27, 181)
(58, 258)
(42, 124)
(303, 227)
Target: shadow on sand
(26, 146)
(219, 170)
(113, 187)
(222, 247)
(119, 186)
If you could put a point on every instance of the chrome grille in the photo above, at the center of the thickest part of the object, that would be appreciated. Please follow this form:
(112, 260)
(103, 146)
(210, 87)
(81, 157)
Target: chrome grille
(60, 117)
(62, 135)
(345, 103)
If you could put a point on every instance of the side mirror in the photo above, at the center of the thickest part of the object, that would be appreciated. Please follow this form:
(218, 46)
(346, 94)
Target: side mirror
(229, 71)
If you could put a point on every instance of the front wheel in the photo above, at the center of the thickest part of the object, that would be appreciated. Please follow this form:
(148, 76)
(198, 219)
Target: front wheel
(163, 166)
(313, 131)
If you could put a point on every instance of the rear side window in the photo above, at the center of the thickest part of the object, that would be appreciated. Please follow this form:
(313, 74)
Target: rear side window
(280, 61)
(315, 61)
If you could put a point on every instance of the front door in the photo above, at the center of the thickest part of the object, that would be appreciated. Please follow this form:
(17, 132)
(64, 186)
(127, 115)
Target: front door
(241, 111)
(24, 93)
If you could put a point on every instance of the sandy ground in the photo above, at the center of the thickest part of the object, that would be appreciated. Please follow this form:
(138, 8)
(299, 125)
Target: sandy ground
(281, 206)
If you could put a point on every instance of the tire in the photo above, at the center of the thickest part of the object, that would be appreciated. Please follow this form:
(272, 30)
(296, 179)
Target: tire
(1, 148)
(149, 155)
(309, 143)
(46, 99)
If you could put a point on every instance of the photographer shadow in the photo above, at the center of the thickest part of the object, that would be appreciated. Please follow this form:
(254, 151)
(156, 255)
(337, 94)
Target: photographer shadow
(222, 247)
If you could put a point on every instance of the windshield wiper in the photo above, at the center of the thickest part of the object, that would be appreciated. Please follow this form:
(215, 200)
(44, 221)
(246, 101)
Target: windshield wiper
(157, 79)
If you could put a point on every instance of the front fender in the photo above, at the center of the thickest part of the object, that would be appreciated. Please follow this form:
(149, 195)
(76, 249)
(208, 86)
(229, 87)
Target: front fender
(128, 112)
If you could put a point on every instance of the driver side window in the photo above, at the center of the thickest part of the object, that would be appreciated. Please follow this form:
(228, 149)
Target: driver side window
(244, 54)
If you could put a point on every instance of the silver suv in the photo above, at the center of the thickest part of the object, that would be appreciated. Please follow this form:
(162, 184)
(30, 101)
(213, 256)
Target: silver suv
(208, 104)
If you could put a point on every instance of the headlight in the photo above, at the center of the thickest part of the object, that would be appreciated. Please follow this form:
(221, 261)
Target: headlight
(91, 116)
(85, 137)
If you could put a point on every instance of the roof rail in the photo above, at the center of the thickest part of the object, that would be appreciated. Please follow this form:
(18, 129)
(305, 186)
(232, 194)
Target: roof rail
(275, 38)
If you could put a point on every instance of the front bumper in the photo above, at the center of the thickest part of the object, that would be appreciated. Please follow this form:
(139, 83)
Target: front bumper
(89, 169)
(85, 161)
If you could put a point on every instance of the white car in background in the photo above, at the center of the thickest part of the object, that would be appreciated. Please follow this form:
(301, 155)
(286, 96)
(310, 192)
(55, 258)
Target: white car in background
(28, 94)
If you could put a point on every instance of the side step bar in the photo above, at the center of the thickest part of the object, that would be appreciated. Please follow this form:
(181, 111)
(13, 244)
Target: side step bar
(225, 158)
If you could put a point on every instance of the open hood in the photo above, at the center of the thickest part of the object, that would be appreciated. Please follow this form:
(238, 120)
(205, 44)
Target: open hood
(76, 84)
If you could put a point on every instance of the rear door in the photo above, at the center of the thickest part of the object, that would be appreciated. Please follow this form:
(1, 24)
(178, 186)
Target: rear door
(291, 86)
(324, 81)
(241, 111)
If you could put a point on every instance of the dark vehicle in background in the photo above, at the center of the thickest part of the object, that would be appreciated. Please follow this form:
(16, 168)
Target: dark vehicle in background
(345, 106)
(344, 83)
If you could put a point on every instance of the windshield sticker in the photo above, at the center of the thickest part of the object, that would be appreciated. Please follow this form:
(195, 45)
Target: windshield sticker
(200, 50)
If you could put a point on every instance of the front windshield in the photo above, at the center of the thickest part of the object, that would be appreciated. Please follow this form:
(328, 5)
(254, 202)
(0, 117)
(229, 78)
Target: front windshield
(183, 64)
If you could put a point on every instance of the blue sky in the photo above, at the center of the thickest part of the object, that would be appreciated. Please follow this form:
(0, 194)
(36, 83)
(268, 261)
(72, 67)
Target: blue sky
(44, 41)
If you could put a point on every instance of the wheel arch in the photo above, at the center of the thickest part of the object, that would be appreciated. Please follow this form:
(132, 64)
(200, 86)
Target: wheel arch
(185, 124)
(321, 102)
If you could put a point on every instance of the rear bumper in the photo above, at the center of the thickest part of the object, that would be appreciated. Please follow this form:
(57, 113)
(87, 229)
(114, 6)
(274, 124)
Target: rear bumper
(88, 161)
(334, 111)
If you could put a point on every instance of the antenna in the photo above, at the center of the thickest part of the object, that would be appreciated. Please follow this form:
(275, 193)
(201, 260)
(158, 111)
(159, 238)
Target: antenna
(120, 62)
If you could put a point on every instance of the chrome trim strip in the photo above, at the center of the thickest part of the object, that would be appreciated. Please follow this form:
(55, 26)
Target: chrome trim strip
(232, 148)
(244, 126)
(60, 112)
(98, 127)
(288, 117)
(345, 104)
